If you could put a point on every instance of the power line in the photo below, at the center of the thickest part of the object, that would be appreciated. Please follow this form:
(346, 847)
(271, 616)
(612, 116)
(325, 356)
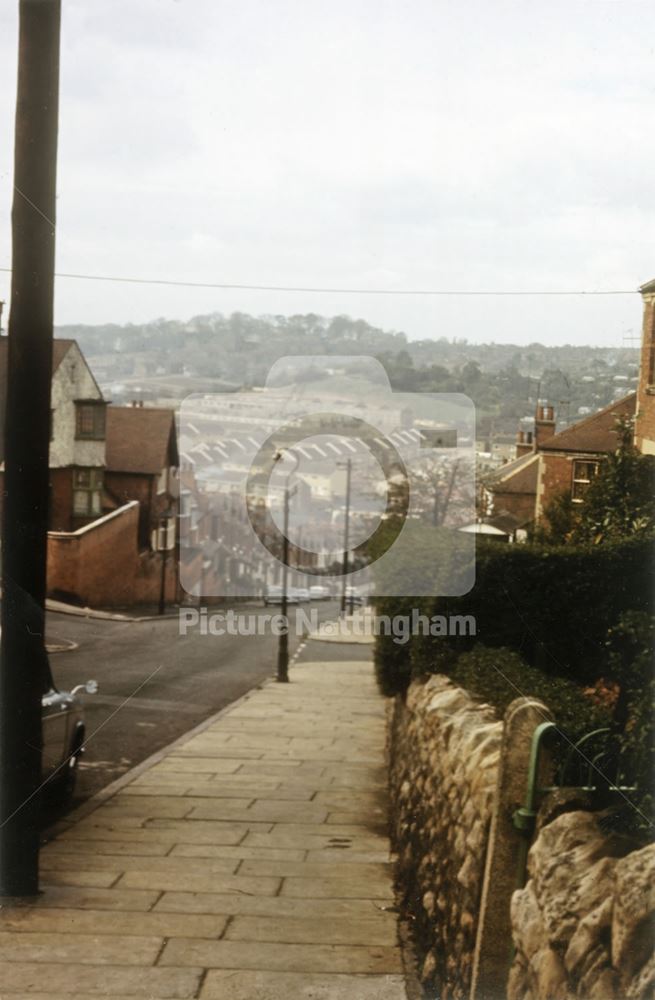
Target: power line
(427, 292)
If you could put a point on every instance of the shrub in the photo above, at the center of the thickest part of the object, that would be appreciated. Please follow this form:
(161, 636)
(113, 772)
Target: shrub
(498, 676)
(553, 605)
(630, 644)
(393, 669)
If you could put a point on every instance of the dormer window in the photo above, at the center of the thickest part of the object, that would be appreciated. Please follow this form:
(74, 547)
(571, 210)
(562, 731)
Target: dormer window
(90, 420)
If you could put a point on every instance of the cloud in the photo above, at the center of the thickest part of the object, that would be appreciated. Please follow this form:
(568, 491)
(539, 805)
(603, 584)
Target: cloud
(353, 144)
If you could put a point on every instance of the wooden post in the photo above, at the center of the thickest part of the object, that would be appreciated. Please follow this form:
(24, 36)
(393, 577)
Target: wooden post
(23, 658)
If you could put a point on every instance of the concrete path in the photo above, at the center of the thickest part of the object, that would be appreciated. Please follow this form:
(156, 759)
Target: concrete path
(353, 628)
(250, 862)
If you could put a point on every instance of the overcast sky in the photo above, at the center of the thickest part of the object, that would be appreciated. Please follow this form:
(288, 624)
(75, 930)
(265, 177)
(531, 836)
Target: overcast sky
(353, 143)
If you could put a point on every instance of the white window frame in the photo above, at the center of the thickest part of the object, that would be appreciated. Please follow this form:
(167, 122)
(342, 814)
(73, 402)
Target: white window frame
(582, 481)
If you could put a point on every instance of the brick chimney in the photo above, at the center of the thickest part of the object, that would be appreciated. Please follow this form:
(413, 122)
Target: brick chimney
(524, 443)
(544, 424)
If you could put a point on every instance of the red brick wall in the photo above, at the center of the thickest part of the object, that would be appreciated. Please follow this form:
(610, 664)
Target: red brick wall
(101, 565)
(555, 477)
(148, 578)
(125, 487)
(521, 505)
(645, 422)
(97, 565)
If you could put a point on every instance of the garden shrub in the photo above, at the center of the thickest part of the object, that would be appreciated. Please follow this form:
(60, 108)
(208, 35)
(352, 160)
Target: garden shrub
(551, 604)
(498, 676)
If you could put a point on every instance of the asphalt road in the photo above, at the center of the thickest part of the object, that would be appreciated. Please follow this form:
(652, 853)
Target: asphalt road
(154, 683)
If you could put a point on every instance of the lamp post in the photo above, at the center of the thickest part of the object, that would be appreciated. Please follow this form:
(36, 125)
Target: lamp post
(283, 646)
(164, 547)
(346, 526)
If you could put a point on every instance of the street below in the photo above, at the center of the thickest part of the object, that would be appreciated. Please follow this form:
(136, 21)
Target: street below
(154, 683)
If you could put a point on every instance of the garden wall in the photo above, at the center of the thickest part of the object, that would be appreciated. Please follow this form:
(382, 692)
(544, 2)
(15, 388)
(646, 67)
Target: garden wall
(444, 751)
(584, 924)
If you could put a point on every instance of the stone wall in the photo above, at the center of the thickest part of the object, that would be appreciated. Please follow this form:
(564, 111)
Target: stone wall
(444, 753)
(584, 924)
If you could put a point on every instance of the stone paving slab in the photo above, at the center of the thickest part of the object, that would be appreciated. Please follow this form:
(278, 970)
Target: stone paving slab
(122, 980)
(251, 862)
(180, 952)
(328, 909)
(294, 930)
(220, 985)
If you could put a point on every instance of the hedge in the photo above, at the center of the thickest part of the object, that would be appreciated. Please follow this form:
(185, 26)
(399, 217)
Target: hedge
(551, 604)
(498, 676)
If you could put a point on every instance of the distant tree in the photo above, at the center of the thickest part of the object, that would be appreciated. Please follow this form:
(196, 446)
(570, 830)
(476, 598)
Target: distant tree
(471, 374)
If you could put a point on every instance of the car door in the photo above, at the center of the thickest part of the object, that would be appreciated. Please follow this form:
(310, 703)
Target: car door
(55, 719)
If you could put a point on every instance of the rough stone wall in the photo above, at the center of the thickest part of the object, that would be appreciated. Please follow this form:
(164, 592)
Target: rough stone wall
(444, 753)
(584, 925)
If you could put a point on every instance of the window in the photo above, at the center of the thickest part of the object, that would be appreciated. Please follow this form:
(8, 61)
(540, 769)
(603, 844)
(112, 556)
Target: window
(583, 473)
(87, 492)
(90, 420)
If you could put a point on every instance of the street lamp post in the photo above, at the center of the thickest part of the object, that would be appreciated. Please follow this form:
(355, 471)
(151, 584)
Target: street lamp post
(283, 646)
(346, 539)
(164, 529)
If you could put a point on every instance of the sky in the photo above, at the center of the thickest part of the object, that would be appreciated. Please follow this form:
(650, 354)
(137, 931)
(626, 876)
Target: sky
(378, 144)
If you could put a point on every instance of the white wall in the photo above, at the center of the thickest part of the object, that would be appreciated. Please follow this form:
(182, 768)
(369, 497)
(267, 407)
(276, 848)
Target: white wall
(72, 380)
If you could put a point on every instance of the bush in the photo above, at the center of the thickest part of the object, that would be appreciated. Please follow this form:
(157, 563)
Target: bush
(630, 644)
(498, 676)
(393, 669)
(553, 605)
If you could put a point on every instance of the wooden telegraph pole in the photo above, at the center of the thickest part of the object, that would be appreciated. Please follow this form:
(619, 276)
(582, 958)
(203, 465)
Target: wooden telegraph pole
(23, 658)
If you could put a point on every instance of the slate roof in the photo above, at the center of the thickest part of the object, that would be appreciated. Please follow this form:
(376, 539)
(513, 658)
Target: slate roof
(596, 433)
(140, 439)
(518, 476)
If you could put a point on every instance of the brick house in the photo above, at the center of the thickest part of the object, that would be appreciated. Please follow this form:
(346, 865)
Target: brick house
(512, 489)
(568, 461)
(77, 436)
(141, 464)
(102, 459)
(553, 463)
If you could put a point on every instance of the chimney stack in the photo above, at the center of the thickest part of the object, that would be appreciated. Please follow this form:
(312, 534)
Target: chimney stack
(544, 424)
(524, 443)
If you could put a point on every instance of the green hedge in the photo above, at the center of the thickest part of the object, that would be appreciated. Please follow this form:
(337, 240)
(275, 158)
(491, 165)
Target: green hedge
(551, 604)
(500, 675)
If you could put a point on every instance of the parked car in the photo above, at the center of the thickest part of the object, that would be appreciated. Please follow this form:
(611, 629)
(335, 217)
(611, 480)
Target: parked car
(62, 717)
(273, 595)
(319, 592)
(63, 732)
(302, 593)
(354, 597)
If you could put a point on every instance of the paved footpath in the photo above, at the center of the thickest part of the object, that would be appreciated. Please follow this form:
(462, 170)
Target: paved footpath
(250, 862)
